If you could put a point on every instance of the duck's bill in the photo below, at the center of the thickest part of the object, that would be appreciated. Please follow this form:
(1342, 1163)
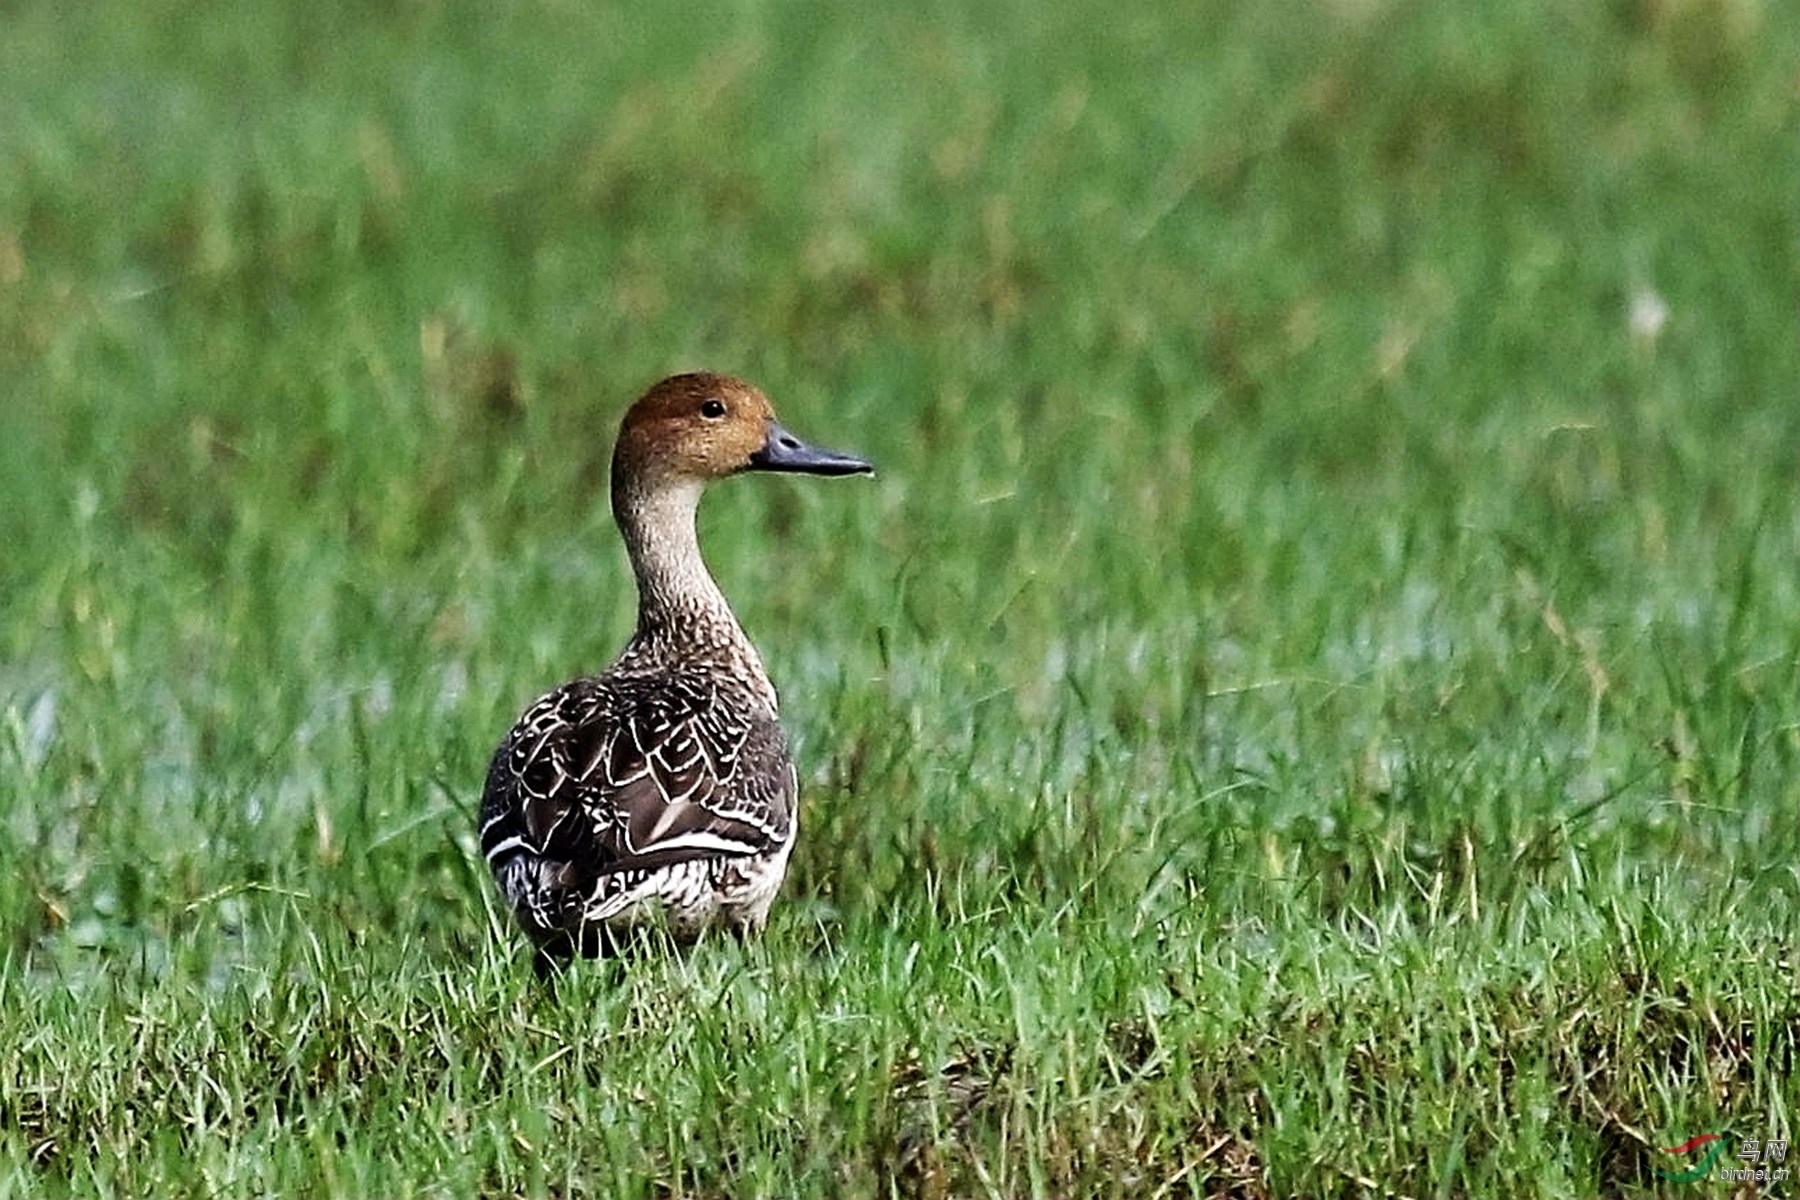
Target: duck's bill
(785, 452)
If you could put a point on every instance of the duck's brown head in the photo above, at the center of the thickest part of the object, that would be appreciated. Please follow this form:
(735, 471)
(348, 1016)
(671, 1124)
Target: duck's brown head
(704, 426)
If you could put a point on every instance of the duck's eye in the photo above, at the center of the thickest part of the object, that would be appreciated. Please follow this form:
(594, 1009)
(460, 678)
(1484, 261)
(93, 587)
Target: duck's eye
(712, 410)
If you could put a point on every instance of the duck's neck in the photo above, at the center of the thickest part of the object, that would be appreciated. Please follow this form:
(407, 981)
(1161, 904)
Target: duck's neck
(675, 590)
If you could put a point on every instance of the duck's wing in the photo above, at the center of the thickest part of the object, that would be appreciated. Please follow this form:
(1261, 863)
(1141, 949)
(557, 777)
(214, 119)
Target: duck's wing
(610, 775)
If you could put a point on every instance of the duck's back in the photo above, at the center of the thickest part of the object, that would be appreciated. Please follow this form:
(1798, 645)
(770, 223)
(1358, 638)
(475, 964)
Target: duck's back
(655, 784)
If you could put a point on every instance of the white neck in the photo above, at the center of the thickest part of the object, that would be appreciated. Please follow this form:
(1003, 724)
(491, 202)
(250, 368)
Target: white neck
(672, 579)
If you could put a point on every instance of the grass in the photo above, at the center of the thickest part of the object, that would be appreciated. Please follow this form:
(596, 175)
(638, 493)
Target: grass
(1310, 705)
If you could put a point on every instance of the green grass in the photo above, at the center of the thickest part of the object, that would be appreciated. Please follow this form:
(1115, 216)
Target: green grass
(1309, 706)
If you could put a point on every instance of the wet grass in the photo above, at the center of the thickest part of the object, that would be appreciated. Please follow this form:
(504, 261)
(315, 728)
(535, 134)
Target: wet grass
(1310, 705)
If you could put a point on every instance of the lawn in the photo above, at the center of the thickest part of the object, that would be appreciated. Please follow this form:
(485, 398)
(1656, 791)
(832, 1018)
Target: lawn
(1309, 705)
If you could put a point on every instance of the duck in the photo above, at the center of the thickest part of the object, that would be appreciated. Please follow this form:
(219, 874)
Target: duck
(660, 792)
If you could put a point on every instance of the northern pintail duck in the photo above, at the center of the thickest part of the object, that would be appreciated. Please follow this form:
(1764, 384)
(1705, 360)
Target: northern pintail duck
(665, 781)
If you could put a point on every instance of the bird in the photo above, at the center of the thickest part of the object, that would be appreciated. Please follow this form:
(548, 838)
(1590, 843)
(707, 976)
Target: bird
(661, 791)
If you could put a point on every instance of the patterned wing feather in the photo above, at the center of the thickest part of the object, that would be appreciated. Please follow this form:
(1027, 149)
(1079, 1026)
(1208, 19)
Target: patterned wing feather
(607, 777)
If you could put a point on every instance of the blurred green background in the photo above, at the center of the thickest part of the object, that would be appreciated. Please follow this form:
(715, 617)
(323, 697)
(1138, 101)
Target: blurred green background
(1337, 493)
